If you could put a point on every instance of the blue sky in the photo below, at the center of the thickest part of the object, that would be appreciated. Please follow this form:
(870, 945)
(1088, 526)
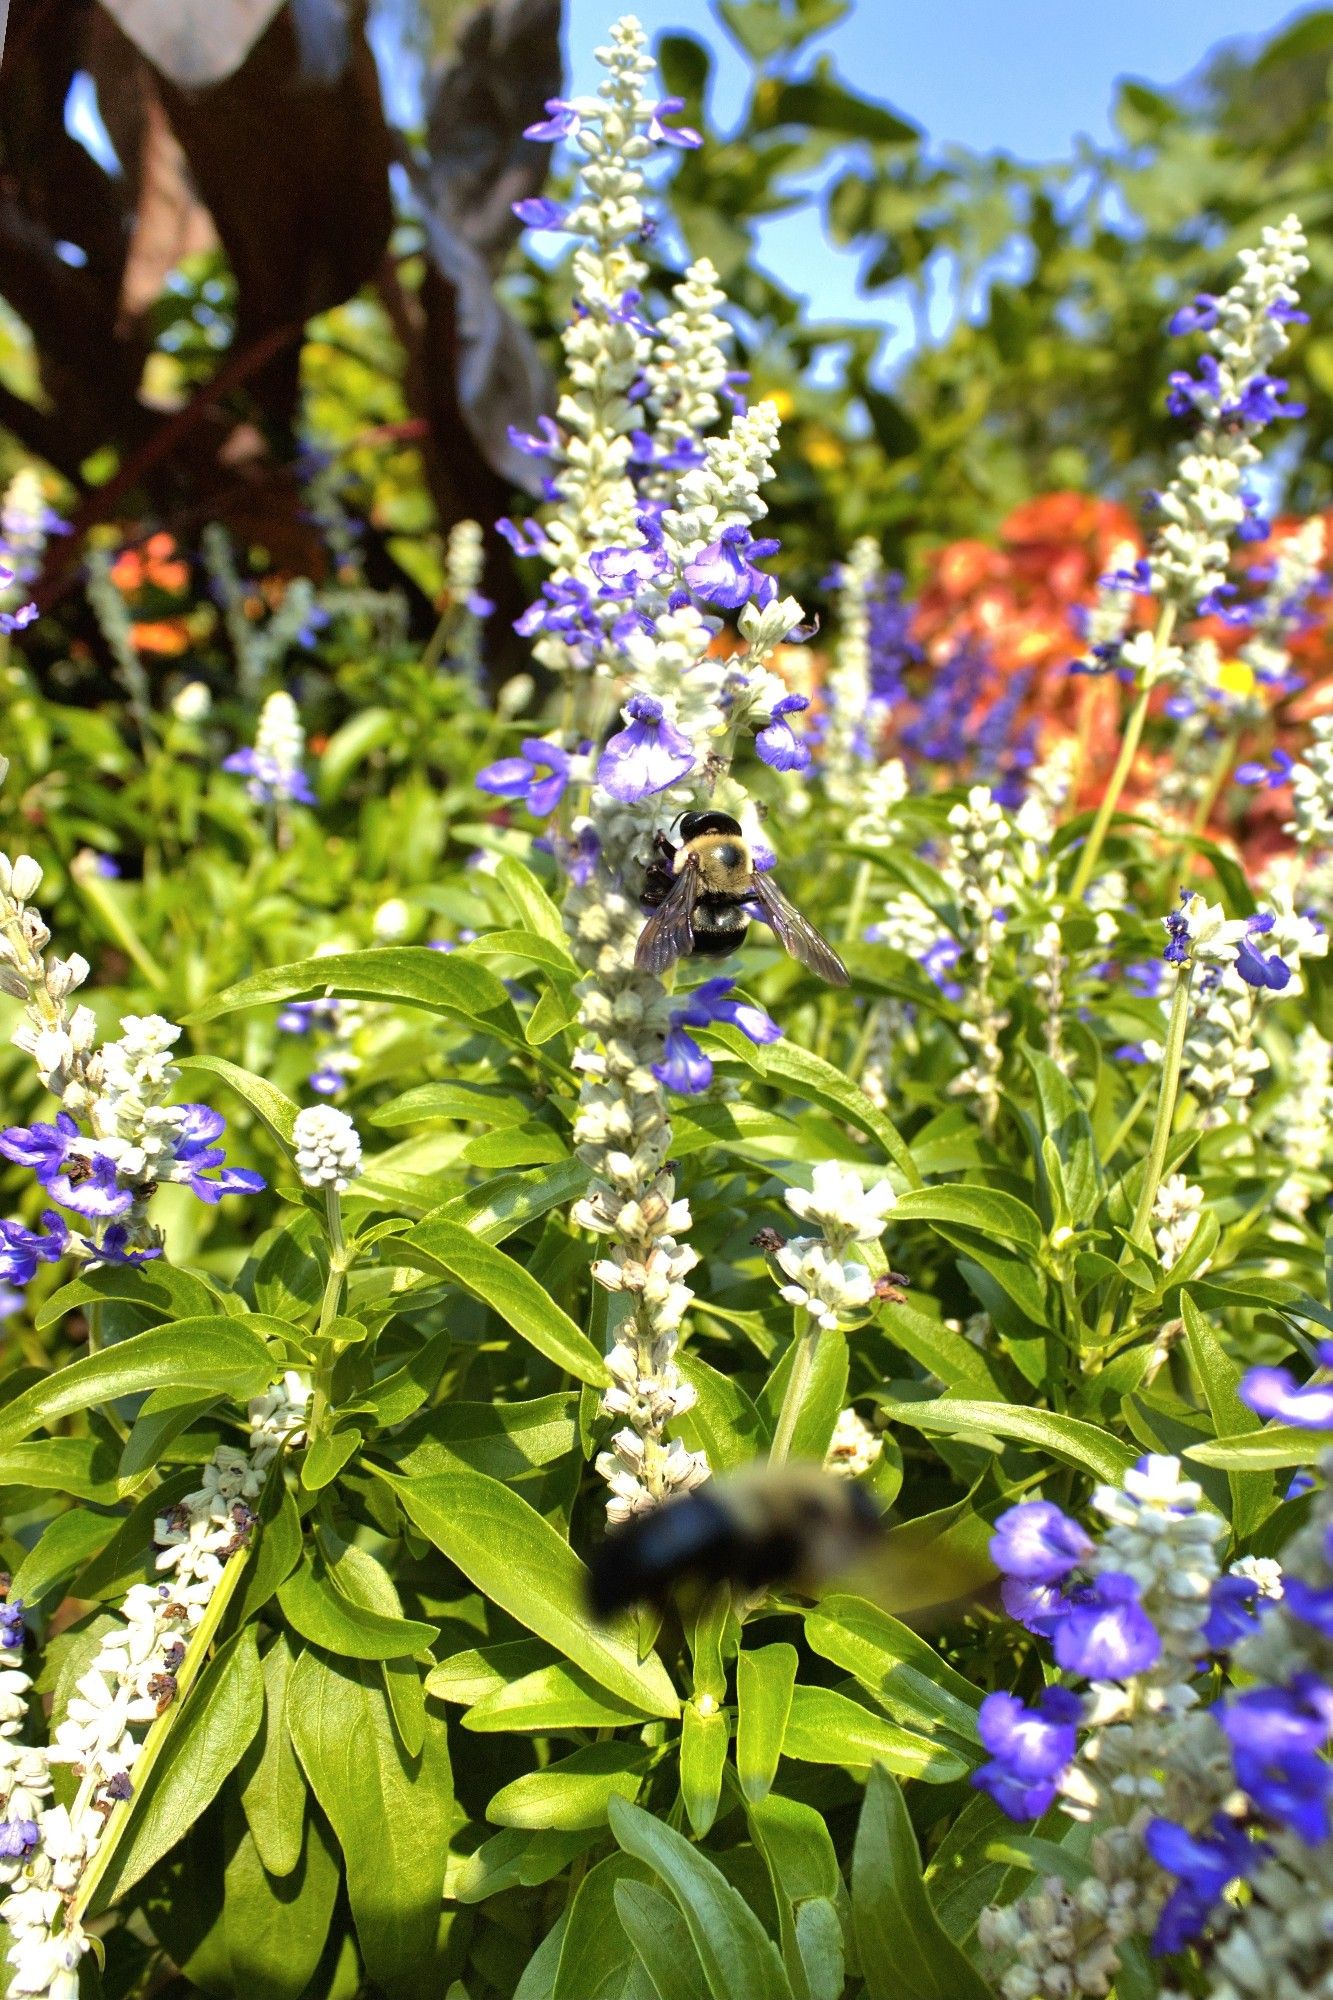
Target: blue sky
(1022, 76)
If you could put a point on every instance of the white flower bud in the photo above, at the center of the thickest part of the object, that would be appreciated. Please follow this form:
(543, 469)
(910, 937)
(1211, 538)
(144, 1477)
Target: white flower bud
(327, 1148)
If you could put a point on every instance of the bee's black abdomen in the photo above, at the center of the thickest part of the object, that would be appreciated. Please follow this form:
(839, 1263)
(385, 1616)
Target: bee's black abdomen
(716, 944)
(693, 824)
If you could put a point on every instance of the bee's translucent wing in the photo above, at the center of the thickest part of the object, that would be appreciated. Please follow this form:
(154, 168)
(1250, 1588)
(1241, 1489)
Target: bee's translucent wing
(668, 933)
(796, 935)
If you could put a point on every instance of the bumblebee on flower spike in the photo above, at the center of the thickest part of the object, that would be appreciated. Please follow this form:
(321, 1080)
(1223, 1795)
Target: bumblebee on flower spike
(702, 893)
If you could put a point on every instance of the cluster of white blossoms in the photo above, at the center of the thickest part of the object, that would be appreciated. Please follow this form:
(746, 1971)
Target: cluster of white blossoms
(466, 609)
(133, 1679)
(1059, 1943)
(854, 1448)
(848, 688)
(1176, 1213)
(821, 1279)
(1301, 1125)
(982, 864)
(1298, 564)
(1229, 401)
(60, 1039)
(326, 1147)
(1311, 780)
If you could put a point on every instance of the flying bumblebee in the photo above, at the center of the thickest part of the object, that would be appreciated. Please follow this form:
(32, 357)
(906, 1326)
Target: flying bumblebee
(701, 893)
(791, 1527)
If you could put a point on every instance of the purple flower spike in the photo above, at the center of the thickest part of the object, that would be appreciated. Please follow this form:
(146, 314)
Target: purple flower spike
(625, 572)
(538, 777)
(539, 213)
(646, 756)
(1032, 1749)
(1109, 1635)
(1038, 1543)
(1274, 1392)
(777, 743)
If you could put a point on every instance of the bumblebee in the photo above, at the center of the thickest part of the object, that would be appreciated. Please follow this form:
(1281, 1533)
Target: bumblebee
(791, 1527)
(702, 892)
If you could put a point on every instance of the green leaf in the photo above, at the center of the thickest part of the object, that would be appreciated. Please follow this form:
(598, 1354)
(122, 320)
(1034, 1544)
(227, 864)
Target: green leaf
(276, 1552)
(61, 1552)
(275, 1927)
(552, 1698)
(722, 1420)
(414, 975)
(1065, 1120)
(479, 1672)
(312, 1602)
(547, 954)
(1251, 1492)
(825, 104)
(597, 1960)
(825, 1394)
(810, 1077)
(127, 1557)
(703, 1756)
(499, 1207)
(529, 901)
(895, 1664)
(507, 1550)
(825, 1727)
(265, 1100)
(661, 1937)
(273, 1790)
(289, 1278)
(396, 1397)
(157, 1289)
(483, 1103)
(84, 1468)
(502, 1284)
(904, 1951)
(219, 1720)
(392, 1815)
(327, 1454)
(1071, 1440)
(941, 1349)
(502, 1439)
(765, 1677)
(988, 1210)
(739, 1959)
(218, 1354)
(807, 1886)
(163, 1417)
(1268, 1450)
(572, 1793)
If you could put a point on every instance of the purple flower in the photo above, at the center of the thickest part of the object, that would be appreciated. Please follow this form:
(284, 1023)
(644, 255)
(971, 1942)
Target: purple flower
(938, 961)
(539, 213)
(114, 1248)
(326, 1081)
(1146, 977)
(624, 572)
(665, 135)
(1312, 1606)
(11, 1624)
(1273, 1392)
(1037, 1542)
(1276, 1738)
(1288, 313)
(544, 442)
(525, 538)
(1032, 1748)
(195, 1156)
(1271, 775)
(538, 777)
(1260, 401)
(1109, 1635)
(562, 121)
(18, 1838)
(1256, 970)
(1201, 317)
(777, 743)
(18, 621)
(684, 1066)
(1233, 1612)
(1038, 1606)
(71, 1172)
(1207, 1864)
(723, 573)
(1177, 924)
(22, 1250)
(646, 756)
(270, 782)
(579, 857)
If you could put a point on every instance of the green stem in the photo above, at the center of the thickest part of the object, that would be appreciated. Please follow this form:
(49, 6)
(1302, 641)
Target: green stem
(1130, 1119)
(155, 1741)
(1166, 1103)
(1129, 748)
(798, 1381)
